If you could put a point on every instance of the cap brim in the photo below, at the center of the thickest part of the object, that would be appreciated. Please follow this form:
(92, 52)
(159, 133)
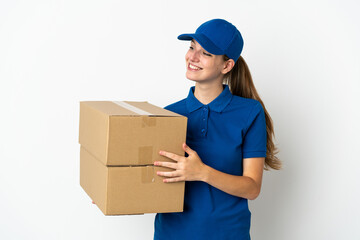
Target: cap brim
(186, 36)
(203, 41)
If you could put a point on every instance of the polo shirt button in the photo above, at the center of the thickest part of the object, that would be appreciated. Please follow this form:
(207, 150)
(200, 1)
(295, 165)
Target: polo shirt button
(202, 130)
(205, 109)
(203, 119)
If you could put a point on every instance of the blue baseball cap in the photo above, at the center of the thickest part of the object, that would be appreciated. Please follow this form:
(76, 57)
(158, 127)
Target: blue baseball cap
(219, 37)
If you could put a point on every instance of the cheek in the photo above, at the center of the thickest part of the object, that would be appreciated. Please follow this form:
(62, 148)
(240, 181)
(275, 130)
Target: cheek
(214, 68)
(218, 66)
(212, 65)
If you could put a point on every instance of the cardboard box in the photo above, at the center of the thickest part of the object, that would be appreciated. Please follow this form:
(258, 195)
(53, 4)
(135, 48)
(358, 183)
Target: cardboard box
(119, 143)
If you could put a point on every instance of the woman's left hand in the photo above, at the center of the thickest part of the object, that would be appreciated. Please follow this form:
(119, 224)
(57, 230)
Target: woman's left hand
(189, 168)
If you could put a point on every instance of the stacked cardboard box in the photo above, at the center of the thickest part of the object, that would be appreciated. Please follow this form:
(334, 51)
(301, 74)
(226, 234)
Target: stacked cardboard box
(119, 143)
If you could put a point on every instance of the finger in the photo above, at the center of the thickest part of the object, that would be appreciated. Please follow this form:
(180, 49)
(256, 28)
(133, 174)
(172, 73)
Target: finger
(170, 180)
(166, 164)
(172, 156)
(93, 202)
(168, 174)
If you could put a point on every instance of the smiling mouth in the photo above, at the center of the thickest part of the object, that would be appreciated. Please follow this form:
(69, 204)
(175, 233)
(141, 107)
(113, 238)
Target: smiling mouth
(193, 67)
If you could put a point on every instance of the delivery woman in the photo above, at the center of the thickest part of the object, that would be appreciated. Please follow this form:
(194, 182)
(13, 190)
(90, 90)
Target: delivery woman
(228, 144)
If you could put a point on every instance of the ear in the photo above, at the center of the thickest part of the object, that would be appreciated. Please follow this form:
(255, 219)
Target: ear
(228, 65)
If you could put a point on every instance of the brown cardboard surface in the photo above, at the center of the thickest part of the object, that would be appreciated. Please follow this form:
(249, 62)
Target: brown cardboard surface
(119, 143)
(121, 137)
(111, 108)
(154, 110)
(128, 190)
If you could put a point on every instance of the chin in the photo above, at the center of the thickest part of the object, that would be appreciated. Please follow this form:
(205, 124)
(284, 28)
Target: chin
(192, 78)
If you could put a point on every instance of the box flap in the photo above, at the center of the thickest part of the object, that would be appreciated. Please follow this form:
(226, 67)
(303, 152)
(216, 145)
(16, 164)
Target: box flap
(130, 108)
(150, 108)
(109, 108)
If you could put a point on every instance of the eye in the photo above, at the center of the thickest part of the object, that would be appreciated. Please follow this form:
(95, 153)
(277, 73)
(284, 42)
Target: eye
(207, 54)
(191, 47)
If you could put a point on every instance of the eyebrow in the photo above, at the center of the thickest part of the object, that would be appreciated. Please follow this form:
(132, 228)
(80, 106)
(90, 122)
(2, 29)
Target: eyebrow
(192, 40)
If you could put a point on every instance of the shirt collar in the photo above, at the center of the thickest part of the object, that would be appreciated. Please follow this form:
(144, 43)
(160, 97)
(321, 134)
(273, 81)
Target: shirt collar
(217, 105)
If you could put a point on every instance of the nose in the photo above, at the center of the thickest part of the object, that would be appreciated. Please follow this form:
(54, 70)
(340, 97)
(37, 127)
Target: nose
(193, 55)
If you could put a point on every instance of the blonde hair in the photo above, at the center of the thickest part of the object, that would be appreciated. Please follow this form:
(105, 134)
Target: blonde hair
(241, 84)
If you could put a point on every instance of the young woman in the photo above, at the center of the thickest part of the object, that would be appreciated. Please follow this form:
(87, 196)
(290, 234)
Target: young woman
(229, 141)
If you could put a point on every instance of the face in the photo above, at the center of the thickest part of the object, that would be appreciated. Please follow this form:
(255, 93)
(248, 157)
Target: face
(203, 66)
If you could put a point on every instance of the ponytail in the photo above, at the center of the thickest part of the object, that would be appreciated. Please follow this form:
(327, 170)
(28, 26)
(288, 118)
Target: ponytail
(241, 84)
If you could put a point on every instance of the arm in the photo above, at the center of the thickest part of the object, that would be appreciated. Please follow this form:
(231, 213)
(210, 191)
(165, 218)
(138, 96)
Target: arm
(246, 186)
(191, 168)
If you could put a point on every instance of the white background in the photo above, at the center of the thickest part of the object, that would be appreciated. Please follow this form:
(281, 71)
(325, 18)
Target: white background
(304, 57)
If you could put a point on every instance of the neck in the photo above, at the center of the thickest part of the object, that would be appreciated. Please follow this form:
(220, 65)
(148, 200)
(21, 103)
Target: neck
(206, 93)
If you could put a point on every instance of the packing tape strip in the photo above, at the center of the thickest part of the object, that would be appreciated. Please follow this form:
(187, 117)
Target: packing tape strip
(131, 108)
(148, 174)
(148, 121)
(145, 155)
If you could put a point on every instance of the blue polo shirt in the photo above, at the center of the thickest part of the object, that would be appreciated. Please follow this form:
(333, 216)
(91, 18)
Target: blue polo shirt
(222, 132)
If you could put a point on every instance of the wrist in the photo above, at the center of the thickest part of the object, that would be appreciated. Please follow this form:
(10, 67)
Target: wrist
(205, 173)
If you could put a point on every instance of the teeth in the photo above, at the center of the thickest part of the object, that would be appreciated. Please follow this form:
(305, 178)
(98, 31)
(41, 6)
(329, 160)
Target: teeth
(194, 67)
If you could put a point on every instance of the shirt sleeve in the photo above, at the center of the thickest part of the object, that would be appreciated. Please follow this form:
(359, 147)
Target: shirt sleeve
(254, 142)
